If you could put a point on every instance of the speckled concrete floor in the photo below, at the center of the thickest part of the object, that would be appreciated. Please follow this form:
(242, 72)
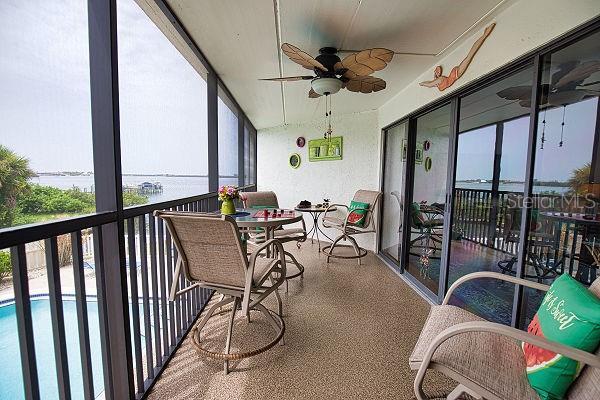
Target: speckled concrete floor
(349, 332)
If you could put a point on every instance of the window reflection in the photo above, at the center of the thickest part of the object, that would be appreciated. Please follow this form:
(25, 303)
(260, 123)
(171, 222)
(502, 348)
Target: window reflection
(488, 191)
(565, 220)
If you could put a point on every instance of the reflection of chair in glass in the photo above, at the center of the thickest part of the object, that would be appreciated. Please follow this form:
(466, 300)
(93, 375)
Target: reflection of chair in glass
(210, 255)
(457, 343)
(587, 273)
(542, 251)
(399, 199)
(427, 223)
(343, 223)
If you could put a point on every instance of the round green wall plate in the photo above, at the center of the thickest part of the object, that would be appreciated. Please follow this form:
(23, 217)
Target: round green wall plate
(294, 160)
(428, 163)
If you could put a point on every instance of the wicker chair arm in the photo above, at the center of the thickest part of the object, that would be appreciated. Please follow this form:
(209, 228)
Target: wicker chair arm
(494, 275)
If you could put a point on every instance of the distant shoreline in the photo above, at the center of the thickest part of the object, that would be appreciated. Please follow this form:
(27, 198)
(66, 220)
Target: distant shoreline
(77, 173)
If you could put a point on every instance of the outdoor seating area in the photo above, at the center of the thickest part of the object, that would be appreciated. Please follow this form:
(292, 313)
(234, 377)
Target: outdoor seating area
(281, 199)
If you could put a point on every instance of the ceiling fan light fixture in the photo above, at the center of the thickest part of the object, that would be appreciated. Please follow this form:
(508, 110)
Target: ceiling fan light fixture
(325, 86)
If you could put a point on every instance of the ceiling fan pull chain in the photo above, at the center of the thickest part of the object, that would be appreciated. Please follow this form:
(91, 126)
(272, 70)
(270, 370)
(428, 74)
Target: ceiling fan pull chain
(329, 128)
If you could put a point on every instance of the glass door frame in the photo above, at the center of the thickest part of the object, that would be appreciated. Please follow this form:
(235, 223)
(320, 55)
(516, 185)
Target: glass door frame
(397, 264)
(534, 57)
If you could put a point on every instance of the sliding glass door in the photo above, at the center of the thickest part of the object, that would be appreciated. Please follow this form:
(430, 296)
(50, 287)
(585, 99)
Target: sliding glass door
(491, 157)
(524, 195)
(564, 227)
(428, 197)
(393, 191)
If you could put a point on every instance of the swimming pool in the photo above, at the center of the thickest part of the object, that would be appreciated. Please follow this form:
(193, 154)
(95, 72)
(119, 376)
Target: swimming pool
(11, 379)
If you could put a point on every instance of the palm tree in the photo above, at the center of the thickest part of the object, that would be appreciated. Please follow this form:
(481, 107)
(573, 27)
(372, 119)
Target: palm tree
(580, 177)
(14, 173)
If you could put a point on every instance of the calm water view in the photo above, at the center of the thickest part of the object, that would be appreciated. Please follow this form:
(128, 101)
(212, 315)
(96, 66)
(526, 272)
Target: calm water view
(173, 186)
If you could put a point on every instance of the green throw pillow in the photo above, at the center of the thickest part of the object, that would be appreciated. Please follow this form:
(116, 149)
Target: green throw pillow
(570, 315)
(416, 215)
(357, 213)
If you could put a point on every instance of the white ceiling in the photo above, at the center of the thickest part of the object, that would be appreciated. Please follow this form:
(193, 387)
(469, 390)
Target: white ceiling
(240, 40)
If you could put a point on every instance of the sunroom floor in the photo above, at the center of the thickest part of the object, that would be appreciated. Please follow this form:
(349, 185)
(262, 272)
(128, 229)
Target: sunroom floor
(349, 332)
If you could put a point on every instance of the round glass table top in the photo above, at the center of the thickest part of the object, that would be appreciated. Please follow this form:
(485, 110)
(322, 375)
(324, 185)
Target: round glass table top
(245, 217)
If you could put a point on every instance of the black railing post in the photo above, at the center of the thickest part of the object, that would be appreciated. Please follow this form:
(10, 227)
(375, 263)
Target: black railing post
(58, 318)
(104, 91)
(82, 316)
(24, 323)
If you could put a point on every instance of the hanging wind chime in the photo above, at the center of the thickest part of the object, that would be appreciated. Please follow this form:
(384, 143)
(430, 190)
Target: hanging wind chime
(543, 130)
(562, 126)
(327, 134)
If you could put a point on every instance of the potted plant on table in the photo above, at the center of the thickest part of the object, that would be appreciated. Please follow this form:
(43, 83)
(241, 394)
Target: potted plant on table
(227, 194)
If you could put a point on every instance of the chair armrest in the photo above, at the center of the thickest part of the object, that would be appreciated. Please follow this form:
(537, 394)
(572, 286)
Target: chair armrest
(328, 210)
(250, 271)
(335, 206)
(259, 249)
(494, 275)
(517, 334)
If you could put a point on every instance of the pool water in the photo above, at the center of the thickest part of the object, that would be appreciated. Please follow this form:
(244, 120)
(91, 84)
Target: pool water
(11, 378)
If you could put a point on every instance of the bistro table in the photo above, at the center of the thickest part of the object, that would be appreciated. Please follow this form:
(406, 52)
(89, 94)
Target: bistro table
(315, 212)
(270, 223)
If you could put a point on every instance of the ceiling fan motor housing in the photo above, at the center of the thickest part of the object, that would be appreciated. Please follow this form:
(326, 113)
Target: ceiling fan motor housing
(328, 58)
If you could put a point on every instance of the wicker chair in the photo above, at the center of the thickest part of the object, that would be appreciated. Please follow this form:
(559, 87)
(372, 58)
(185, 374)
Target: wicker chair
(333, 219)
(485, 358)
(210, 255)
(268, 199)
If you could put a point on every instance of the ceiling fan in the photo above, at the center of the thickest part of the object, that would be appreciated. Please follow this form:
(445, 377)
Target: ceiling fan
(332, 73)
(566, 86)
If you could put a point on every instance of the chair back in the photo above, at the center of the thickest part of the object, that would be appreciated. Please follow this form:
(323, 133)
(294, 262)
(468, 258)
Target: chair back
(587, 386)
(259, 199)
(209, 246)
(371, 197)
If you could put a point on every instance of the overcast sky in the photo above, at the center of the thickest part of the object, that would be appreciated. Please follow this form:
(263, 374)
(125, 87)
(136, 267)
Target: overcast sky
(45, 96)
(475, 158)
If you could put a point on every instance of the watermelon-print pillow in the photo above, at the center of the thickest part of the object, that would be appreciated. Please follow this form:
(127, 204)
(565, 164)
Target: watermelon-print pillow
(570, 315)
(357, 213)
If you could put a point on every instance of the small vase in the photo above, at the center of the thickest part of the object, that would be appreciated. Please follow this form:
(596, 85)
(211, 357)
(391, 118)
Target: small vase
(228, 207)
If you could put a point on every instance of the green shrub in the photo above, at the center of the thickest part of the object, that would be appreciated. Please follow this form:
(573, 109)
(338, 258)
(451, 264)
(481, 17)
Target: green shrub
(49, 200)
(133, 199)
(5, 265)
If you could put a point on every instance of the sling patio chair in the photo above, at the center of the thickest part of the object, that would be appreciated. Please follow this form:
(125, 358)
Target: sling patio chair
(268, 199)
(542, 261)
(210, 255)
(485, 358)
(341, 220)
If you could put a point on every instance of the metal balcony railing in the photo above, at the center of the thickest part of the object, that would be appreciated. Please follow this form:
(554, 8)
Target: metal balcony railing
(156, 326)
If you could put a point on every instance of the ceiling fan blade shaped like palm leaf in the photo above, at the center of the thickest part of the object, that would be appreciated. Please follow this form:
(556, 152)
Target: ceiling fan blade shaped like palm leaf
(365, 62)
(289, 78)
(365, 84)
(300, 57)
